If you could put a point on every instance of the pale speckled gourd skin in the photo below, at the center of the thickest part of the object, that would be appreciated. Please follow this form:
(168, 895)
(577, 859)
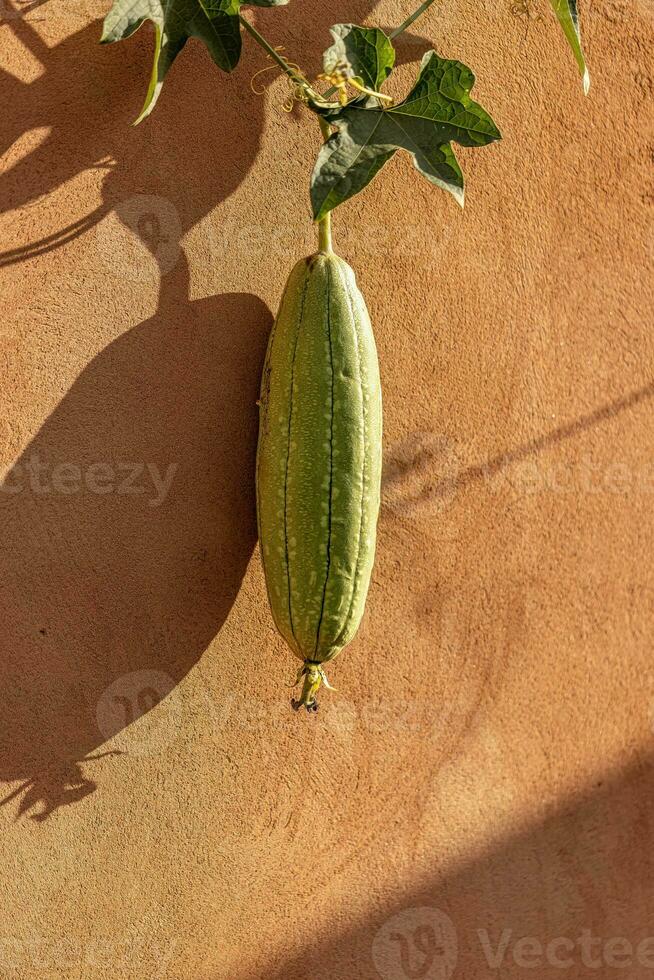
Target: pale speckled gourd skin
(319, 458)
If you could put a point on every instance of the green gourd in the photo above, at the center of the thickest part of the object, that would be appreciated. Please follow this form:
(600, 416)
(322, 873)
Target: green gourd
(319, 463)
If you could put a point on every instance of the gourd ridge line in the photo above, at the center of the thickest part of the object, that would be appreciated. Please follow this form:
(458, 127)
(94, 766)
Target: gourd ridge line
(305, 287)
(331, 461)
(366, 474)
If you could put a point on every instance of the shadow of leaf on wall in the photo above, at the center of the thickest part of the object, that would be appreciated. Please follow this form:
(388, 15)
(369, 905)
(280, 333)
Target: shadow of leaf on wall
(126, 526)
(193, 152)
(128, 521)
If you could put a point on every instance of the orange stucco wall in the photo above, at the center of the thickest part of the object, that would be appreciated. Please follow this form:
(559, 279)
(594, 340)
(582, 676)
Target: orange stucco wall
(484, 766)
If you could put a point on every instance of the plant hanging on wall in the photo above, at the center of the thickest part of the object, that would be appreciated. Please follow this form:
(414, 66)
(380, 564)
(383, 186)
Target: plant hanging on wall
(319, 453)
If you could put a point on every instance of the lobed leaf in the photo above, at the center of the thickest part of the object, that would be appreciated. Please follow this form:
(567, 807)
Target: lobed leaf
(213, 21)
(437, 112)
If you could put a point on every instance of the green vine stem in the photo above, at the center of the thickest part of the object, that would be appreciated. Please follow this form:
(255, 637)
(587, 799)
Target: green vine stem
(411, 18)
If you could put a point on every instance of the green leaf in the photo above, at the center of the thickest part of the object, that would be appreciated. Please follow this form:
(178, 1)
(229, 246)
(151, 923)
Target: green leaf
(566, 12)
(364, 53)
(213, 21)
(437, 111)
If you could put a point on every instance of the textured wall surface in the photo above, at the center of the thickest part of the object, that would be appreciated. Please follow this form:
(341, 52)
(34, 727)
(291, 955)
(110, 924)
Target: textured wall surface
(476, 799)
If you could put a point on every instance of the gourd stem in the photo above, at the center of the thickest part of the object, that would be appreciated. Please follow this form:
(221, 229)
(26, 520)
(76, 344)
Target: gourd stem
(325, 234)
(325, 224)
